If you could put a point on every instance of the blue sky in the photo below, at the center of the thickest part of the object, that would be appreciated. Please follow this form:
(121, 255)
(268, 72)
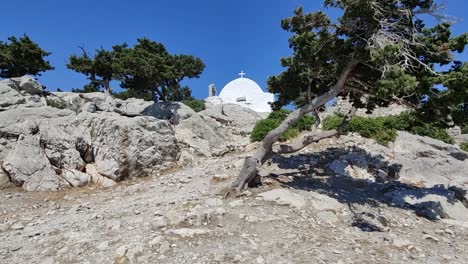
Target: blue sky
(229, 36)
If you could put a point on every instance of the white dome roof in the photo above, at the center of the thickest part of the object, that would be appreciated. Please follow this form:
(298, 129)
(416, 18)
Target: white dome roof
(240, 87)
(247, 93)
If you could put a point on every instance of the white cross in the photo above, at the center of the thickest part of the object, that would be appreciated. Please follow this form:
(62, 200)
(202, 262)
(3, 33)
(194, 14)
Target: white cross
(242, 73)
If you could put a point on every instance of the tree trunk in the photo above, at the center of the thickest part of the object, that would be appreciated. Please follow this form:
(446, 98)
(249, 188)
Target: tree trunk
(106, 84)
(251, 165)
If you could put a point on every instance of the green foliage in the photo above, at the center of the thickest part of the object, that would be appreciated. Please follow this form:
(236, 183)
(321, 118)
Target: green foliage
(397, 57)
(100, 69)
(384, 129)
(464, 146)
(196, 105)
(146, 70)
(89, 88)
(432, 131)
(274, 119)
(289, 134)
(149, 68)
(464, 129)
(22, 56)
(130, 93)
(55, 103)
(262, 127)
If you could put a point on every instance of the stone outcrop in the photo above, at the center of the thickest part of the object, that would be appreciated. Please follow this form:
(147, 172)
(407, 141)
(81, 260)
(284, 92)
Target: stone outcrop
(21, 92)
(217, 130)
(72, 139)
(430, 175)
(47, 148)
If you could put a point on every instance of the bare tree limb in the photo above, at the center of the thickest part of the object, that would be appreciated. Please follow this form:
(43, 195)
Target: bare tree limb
(265, 151)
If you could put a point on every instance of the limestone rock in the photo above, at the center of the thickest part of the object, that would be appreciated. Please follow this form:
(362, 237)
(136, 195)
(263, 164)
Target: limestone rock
(4, 179)
(429, 161)
(20, 92)
(241, 118)
(29, 167)
(76, 178)
(187, 232)
(98, 178)
(216, 131)
(12, 118)
(322, 202)
(283, 197)
(433, 203)
(174, 112)
(27, 84)
(77, 101)
(131, 107)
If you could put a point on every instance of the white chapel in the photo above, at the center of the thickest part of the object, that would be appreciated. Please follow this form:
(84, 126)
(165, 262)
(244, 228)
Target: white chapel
(242, 91)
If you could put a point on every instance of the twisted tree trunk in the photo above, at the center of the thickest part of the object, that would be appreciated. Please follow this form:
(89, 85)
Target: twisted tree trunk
(252, 164)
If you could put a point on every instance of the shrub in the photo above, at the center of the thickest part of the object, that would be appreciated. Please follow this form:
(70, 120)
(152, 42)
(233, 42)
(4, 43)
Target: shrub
(55, 103)
(196, 105)
(262, 127)
(384, 129)
(274, 119)
(331, 122)
(290, 133)
(464, 129)
(464, 146)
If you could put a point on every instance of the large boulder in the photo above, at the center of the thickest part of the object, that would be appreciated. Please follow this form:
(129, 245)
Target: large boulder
(46, 148)
(83, 102)
(217, 130)
(430, 162)
(28, 166)
(433, 203)
(174, 112)
(240, 118)
(132, 106)
(120, 147)
(20, 92)
(419, 161)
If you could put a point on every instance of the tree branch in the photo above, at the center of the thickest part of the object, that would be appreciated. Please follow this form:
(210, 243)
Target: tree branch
(301, 143)
(265, 151)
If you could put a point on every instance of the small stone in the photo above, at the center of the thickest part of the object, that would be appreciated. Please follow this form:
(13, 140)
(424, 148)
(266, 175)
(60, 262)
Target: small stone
(430, 237)
(213, 202)
(156, 241)
(328, 217)
(252, 219)
(159, 222)
(187, 232)
(17, 226)
(283, 197)
(165, 246)
(121, 251)
(401, 242)
(103, 245)
(113, 225)
(236, 203)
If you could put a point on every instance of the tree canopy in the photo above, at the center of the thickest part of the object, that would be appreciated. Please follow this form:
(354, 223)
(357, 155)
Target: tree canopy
(100, 69)
(146, 70)
(376, 52)
(149, 68)
(22, 56)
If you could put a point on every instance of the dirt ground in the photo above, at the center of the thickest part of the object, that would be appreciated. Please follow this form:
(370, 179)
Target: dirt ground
(181, 217)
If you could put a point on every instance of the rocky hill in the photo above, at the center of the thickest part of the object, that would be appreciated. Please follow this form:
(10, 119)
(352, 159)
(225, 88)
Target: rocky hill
(345, 200)
(58, 140)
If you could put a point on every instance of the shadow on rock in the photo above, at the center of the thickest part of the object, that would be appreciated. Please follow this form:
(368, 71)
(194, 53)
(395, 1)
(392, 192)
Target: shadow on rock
(356, 178)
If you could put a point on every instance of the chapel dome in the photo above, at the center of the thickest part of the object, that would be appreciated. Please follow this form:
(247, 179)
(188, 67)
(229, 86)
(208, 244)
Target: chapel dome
(239, 87)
